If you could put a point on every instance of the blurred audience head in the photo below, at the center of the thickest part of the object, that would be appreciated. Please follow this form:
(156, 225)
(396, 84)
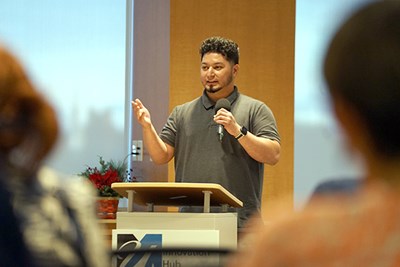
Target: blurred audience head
(362, 70)
(28, 124)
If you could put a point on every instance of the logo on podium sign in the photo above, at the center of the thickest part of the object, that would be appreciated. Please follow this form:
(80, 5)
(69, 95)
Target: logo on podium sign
(173, 248)
(130, 242)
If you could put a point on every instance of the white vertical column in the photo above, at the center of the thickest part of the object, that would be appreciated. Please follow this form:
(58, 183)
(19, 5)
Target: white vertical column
(207, 196)
(131, 199)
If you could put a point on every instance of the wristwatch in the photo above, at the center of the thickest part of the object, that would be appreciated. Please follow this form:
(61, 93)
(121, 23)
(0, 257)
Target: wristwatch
(243, 132)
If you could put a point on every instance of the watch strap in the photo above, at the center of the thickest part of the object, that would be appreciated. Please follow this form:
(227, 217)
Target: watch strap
(239, 136)
(243, 132)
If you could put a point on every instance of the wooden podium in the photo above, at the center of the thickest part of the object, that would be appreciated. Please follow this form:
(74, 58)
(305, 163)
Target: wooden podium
(177, 194)
(158, 230)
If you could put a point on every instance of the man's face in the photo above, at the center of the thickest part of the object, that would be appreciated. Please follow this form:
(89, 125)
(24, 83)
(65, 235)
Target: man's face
(216, 73)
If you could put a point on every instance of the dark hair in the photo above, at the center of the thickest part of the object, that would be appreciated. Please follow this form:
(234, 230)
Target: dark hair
(227, 48)
(362, 66)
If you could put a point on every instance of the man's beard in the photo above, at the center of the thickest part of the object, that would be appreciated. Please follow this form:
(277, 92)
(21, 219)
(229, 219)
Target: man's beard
(213, 90)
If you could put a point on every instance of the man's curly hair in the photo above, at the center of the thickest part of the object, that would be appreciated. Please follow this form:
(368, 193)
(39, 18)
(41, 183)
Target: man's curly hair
(227, 48)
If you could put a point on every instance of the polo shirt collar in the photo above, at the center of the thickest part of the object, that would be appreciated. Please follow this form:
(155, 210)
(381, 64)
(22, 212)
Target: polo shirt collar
(207, 103)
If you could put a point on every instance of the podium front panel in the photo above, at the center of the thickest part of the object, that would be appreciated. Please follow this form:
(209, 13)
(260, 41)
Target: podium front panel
(130, 240)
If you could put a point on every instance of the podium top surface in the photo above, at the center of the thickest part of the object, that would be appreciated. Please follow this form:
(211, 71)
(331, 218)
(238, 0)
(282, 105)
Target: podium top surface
(177, 194)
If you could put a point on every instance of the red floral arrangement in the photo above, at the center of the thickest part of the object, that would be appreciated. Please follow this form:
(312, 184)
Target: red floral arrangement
(107, 173)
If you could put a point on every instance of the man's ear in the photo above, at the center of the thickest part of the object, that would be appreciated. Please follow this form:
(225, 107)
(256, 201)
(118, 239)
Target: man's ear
(235, 69)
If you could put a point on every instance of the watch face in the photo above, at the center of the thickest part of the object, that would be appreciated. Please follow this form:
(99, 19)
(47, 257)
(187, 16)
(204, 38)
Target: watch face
(243, 130)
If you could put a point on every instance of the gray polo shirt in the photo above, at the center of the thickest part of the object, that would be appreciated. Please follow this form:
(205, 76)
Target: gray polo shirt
(201, 158)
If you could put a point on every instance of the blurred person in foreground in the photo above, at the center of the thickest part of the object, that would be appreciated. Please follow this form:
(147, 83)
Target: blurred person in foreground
(235, 158)
(362, 70)
(55, 215)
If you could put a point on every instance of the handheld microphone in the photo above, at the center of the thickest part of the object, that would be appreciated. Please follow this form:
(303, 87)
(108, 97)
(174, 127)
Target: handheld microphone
(222, 103)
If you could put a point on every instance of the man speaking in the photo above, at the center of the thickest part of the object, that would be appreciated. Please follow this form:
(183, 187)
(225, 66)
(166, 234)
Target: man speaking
(221, 137)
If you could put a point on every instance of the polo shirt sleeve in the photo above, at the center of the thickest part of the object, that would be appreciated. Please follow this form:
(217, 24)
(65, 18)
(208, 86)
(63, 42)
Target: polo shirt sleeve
(264, 124)
(168, 132)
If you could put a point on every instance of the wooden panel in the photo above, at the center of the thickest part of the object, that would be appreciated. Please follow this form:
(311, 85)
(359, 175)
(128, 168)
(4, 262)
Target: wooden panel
(107, 226)
(264, 31)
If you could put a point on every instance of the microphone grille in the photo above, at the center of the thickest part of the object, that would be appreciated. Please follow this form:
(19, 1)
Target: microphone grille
(223, 103)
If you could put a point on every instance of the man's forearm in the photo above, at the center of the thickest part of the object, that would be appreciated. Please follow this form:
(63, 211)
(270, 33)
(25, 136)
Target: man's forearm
(157, 149)
(261, 149)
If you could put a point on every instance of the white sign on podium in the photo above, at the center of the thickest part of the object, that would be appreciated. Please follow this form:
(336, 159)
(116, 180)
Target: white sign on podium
(166, 230)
